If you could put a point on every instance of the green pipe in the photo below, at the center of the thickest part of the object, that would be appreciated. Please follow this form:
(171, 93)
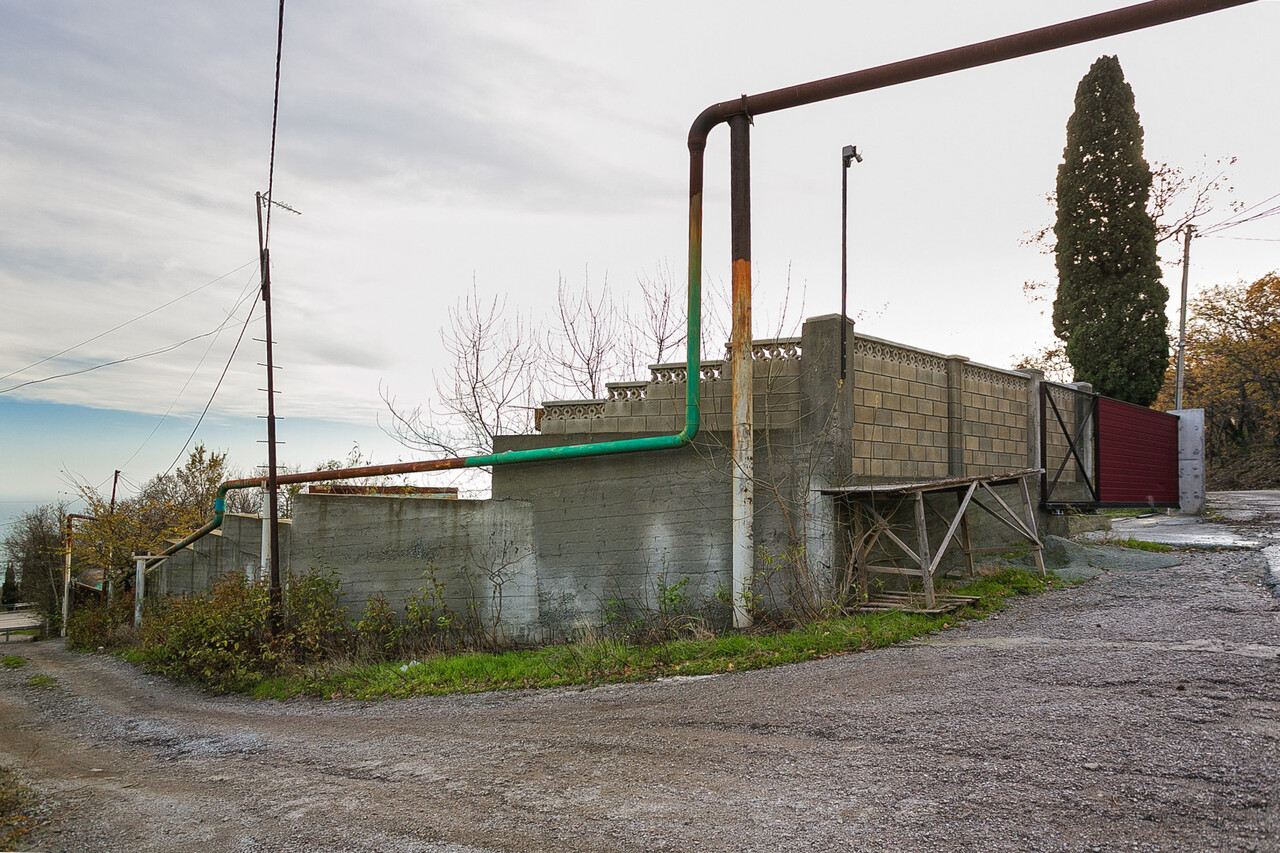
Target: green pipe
(692, 409)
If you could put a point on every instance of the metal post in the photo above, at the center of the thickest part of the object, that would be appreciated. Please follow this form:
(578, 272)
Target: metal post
(1182, 323)
(743, 480)
(849, 154)
(66, 583)
(139, 589)
(107, 585)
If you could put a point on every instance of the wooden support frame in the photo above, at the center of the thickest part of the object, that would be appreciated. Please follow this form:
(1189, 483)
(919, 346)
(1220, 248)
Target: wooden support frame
(970, 492)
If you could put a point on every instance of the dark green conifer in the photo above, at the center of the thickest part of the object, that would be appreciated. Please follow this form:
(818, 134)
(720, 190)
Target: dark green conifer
(1110, 306)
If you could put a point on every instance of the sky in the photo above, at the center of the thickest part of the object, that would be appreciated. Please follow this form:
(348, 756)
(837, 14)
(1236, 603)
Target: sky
(432, 148)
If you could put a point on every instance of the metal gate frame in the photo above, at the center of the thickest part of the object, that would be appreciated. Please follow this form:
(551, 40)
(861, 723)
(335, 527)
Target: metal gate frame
(1085, 436)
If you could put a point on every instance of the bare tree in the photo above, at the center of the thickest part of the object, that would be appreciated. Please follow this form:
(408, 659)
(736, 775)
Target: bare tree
(488, 390)
(587, 342)
(1179, 197)
(661, 328)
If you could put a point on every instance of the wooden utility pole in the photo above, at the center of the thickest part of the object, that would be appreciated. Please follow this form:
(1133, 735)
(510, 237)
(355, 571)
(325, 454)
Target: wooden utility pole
(1188, 232)
(264, 260)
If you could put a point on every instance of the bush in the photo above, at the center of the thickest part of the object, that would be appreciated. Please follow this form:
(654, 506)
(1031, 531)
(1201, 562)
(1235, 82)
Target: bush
(96, 624)
(223, 640)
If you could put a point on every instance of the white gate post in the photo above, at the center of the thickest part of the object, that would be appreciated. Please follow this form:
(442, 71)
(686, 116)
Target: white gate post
(139, 590)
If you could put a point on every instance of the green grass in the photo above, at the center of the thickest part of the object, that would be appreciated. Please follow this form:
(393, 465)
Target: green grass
(1141, 545)
(1128, 512)
(18, 804)
(611, 661)
(41, 680)
(13, 661)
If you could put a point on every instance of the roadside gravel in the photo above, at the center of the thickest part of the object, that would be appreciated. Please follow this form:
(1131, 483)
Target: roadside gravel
(1139, 712)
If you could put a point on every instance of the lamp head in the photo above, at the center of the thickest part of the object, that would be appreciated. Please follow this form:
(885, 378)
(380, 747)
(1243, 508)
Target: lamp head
(851, 154)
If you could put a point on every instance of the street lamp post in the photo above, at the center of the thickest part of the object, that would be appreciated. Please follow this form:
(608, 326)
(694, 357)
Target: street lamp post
(849, 154)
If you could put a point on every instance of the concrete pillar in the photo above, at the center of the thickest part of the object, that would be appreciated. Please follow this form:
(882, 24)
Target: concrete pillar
(955, 415)
(1191, 467)
(1034, 378)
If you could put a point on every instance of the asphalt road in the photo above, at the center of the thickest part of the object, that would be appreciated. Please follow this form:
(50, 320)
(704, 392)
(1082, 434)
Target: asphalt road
(1137, 711)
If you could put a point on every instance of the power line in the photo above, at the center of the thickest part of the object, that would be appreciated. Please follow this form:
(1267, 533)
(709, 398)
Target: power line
(126, 323)
(200, 420)
(1234, 220)
(137, 357)
(236, 307)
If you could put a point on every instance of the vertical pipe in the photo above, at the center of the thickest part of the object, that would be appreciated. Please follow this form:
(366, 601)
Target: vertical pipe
(264, 551)
(743, 480)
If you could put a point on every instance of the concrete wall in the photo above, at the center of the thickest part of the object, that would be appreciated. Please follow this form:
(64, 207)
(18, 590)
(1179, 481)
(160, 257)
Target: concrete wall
(1191, 461)
(481, 550)
(235, 548)
(575, 539)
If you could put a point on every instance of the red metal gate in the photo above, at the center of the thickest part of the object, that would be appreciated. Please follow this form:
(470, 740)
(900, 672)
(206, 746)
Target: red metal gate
(1100, 452)
(1137, 455)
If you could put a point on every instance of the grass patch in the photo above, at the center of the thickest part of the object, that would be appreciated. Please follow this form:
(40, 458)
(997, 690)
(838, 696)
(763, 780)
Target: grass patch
(42, 681)
(18, 804)
(610, 661)
(13, 661)
(1141, 545)
(1128, 512)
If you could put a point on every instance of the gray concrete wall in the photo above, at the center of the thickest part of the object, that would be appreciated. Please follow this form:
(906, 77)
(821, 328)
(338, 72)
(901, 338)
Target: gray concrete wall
(573, 540)
(482, 551)
(234, 548)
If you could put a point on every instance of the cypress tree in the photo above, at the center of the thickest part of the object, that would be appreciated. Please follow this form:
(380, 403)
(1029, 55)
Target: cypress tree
(1110, 307)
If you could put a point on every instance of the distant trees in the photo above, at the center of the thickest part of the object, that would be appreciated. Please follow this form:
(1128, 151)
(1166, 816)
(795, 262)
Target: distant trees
(1232, 370)
(34, 548)
(1110, 305)
(168, 506)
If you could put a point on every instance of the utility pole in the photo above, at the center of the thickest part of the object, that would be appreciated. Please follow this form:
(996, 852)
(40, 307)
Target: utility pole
(107, 583)
(264, 261)
(1188, 232)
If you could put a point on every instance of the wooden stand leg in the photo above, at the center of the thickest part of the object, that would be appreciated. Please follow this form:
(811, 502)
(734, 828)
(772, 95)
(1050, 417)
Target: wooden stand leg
(922, 540)
(965, 544)
(1031, 526)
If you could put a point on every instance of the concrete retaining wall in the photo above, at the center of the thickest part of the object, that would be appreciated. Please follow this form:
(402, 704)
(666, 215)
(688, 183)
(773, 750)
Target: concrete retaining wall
(567, 543)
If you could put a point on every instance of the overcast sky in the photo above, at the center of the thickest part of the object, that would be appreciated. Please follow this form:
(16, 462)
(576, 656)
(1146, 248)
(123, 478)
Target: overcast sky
(433, 145)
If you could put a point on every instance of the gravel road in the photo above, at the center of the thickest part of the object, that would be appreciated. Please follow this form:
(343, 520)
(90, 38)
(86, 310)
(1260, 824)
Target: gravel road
(1138, 711)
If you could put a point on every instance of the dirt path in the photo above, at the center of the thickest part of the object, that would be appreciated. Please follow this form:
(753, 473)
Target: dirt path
(1140, 711)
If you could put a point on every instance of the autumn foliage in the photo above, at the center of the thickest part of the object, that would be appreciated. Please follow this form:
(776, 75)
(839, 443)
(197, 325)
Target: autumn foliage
(1232, 371)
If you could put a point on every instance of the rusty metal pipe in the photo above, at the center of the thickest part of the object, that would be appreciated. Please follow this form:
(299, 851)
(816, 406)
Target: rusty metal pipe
(742, 550)
(739, 113)
(984, 53)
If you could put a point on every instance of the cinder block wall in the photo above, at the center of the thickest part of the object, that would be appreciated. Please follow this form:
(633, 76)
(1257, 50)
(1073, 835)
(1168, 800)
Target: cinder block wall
(608, 529)
(597, 534)
(901, 424)
(996, 419)
(921, 415)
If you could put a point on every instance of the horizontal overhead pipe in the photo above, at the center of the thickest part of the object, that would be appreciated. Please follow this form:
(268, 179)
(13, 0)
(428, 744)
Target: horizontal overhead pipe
(1085, 29)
